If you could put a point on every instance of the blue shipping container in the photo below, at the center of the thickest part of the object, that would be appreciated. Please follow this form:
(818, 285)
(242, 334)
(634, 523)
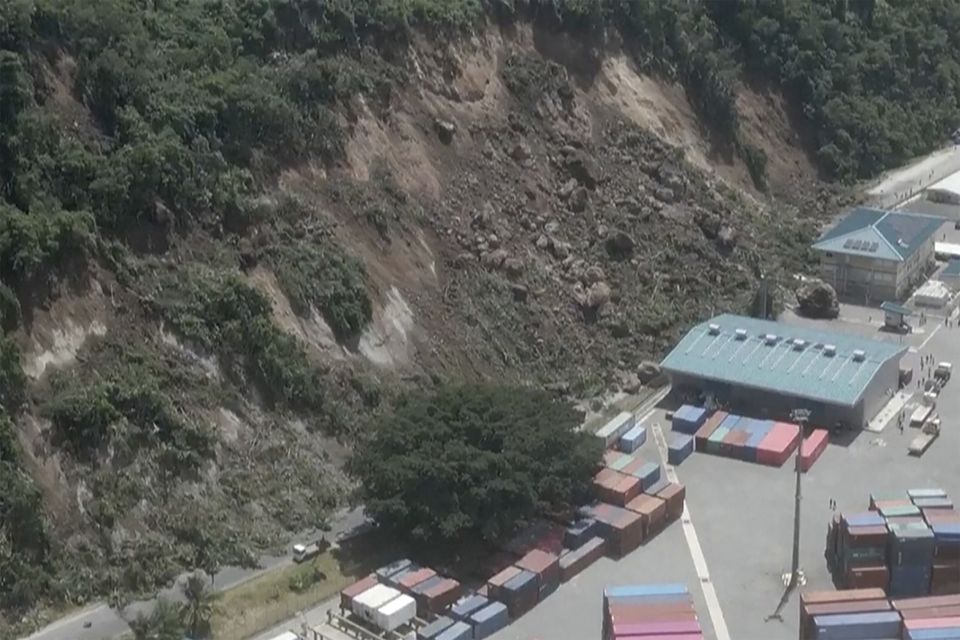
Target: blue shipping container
(393, 568)
(926, 493)
(579, 532)
(680, 447)
(951, 633)
(657, 486)
(632, 591)
(852, 626)
(466, 606)
(633, 439)
(867, 519)
(648, 474)
(457, 631)
(521, 582)
(432, 630)
(489, 620)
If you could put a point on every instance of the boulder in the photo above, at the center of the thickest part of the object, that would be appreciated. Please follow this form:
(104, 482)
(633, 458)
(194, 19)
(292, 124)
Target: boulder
(520, 292)
(594, 274)
(583, 169)
(648, 371)
(579, 200)
(445, 130)
(494, 259)
(598, 294)
(817, 299)
(620, 244)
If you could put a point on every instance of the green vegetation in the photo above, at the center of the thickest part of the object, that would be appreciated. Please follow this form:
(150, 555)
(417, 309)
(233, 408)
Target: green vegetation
(163, 623)
(473, 462)
(199, 604)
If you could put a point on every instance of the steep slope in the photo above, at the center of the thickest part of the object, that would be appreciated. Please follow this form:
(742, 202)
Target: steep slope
(220, 257)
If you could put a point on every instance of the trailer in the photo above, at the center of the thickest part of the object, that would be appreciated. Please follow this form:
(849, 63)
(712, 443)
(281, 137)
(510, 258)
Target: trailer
(928, 433)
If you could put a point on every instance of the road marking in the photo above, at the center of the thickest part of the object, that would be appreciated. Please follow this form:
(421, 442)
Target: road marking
(693, 544)
(923, 344)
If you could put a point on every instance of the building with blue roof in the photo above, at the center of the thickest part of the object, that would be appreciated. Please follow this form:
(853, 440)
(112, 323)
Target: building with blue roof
(950, 275)
(770, 368)
(873, 254)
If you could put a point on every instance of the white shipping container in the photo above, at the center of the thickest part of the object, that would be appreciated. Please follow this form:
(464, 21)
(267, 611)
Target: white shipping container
(612, 431)
(366, 604)
(398, 611)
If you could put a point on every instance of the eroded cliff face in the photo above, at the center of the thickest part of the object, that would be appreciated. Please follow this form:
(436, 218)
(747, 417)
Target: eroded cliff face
(519, 215)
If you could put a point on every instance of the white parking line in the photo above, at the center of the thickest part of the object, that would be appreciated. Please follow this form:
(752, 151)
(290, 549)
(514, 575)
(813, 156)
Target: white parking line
(693, 544)
(932, 333)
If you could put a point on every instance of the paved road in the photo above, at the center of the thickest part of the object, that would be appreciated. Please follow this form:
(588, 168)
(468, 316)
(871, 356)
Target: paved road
(899, 185)
(107, 622)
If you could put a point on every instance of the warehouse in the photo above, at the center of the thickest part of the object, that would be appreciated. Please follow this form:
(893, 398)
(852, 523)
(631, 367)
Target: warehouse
(876, 255)
(767, 369)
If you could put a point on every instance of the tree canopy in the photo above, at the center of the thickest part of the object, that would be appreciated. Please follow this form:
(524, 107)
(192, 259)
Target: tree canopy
(474, 462)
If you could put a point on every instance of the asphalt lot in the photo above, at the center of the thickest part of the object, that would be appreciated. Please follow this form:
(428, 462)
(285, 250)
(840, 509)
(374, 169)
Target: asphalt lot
(743, 513)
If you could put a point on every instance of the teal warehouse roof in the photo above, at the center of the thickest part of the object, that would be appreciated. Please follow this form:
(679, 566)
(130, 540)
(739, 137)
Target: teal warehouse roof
(823, 366)
(874, 233)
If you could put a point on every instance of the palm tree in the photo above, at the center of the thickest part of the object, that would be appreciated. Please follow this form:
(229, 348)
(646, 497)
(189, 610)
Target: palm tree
(198, 608)
(163, 623)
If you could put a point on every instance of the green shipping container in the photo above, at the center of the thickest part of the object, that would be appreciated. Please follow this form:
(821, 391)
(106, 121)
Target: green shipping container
(716, 439)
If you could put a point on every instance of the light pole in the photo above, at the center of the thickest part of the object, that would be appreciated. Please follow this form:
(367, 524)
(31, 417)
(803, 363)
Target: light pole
(801, 417)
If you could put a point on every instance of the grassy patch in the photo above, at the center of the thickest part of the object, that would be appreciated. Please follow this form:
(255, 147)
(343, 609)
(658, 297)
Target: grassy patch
(269, 599)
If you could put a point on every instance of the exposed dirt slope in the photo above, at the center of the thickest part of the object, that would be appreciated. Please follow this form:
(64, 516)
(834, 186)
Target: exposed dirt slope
(517, 220)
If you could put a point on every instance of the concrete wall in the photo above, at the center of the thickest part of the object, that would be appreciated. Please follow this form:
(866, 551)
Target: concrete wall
(876, 395)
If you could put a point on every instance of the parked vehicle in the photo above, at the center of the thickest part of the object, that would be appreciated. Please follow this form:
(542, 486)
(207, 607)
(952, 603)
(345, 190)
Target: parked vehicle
(303, 552)
(929, 433)
(943, 371)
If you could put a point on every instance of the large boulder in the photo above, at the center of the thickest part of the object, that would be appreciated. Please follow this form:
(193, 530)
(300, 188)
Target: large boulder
(817, 299)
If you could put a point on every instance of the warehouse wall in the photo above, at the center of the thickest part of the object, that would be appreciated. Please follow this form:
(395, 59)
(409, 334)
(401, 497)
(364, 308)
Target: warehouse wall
(875, 396)
(764, 404)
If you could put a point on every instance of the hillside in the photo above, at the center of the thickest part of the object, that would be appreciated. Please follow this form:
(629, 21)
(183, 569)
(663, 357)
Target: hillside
(232, 231)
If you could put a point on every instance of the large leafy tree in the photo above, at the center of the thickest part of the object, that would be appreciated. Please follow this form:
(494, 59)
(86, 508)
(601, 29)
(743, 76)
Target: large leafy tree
(163, 623)
(473, 461)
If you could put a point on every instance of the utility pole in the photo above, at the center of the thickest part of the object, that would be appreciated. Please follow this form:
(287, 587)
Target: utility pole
(801, 417)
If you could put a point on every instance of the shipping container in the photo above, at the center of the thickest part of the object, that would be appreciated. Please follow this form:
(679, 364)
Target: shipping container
(633, 439)
(878, 624)
(489, 620)
(466, 605)
(408, 581)
(456, 631)
(657, 486)
(574, 562)
(365, 604)
(680, 447)
(704, 432)
(778, 444)
(546, 566)
(687, 419)
(812, 447)
(579, 532)
(436, 598)
(433, 629)
(673, 496)
(612, 430)
(358, 587)
(393, 568)
(395, 613)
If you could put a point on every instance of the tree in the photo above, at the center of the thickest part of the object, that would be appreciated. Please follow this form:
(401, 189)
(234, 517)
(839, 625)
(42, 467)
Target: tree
(473, 461)
(198, 607)
(163, 623)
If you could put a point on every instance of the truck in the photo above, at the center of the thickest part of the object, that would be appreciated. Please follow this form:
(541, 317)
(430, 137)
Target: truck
(921, 414)
(943, 371)
(303, 552)
(928, 433)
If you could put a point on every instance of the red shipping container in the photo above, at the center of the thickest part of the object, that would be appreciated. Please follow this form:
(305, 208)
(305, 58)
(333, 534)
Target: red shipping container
(545, 566)
(877, 576)
(812, 447)
(673, 495)
(438, 597)
(777, 445)
(653, 511)
(358, 587)
(905, 604)
(863, 606)
(412, 579)
(931, 623)
(707, 429)
(932, 612)
(842, 595)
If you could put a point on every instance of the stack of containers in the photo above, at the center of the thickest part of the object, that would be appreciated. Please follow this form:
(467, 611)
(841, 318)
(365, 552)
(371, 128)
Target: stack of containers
(385, 607)
(435, 595)
(687, 419)
(392, 569)
(652, 512)
(737, 437)
(778, 444)
(633, 439)
(817, 607)
(456, 631)
(912, 547)
(576, 560)
(715, 440)
(673, 496)
(679, 448)
(649, 611)
(622, 529)
(626, 465)
(615, 487)
(861, 551)
(546, 567)
(813, 446)
(610, 432)
(520, 593)
(463, 608)
(706, 430)
(919, 535)
(931, 617)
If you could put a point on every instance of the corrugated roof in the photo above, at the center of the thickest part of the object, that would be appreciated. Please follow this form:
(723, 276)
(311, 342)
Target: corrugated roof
(893, 307)
(875, 233)
(793, 363)
(952, 269)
